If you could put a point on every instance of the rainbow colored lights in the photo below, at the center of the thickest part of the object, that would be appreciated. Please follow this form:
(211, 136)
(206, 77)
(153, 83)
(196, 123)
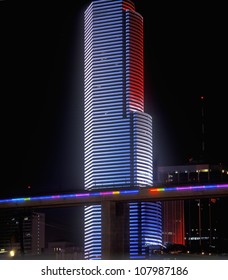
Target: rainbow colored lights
(189, 188)
(113, 193)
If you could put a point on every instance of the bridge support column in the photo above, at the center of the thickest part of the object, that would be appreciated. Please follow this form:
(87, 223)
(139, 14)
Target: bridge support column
(115, 230)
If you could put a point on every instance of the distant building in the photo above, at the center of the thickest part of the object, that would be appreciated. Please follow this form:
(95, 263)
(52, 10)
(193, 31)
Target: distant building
(173, 222)
(22, 232)
(193, 173)
(197, 223)
(63, 250)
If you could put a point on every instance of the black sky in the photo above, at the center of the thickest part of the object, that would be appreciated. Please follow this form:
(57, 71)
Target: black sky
(42, 88)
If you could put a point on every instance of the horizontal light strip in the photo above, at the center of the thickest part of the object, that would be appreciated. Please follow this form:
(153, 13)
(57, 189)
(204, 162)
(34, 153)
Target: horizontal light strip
(79, 195)
(109, 193)
(188, 188)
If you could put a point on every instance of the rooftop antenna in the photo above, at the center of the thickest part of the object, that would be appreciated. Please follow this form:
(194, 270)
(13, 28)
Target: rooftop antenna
(202, 98)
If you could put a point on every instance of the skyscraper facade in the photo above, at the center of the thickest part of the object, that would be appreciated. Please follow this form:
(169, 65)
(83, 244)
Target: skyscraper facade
(117, 131)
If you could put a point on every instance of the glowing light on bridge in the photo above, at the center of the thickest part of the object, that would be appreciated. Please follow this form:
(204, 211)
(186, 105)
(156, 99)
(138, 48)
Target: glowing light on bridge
(65, 196)
(188, 188)
(114, 193)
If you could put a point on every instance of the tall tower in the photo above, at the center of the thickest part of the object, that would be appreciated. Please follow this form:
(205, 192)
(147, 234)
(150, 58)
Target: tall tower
(117, 132)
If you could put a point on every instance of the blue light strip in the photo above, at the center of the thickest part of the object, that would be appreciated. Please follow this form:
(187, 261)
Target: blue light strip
(189, 188)
(66, 196)
(111, 193)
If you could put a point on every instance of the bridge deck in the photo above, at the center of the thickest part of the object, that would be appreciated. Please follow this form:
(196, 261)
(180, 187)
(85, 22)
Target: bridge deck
(130, 195)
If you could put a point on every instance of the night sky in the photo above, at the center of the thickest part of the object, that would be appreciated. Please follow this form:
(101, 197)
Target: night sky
(42, 88)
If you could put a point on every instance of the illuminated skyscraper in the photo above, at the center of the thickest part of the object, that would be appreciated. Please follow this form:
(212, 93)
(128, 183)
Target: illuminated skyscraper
(117, 132)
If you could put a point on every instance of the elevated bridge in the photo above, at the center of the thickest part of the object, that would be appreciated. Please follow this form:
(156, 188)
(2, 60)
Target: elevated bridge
(155, 193)
(115, 212)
